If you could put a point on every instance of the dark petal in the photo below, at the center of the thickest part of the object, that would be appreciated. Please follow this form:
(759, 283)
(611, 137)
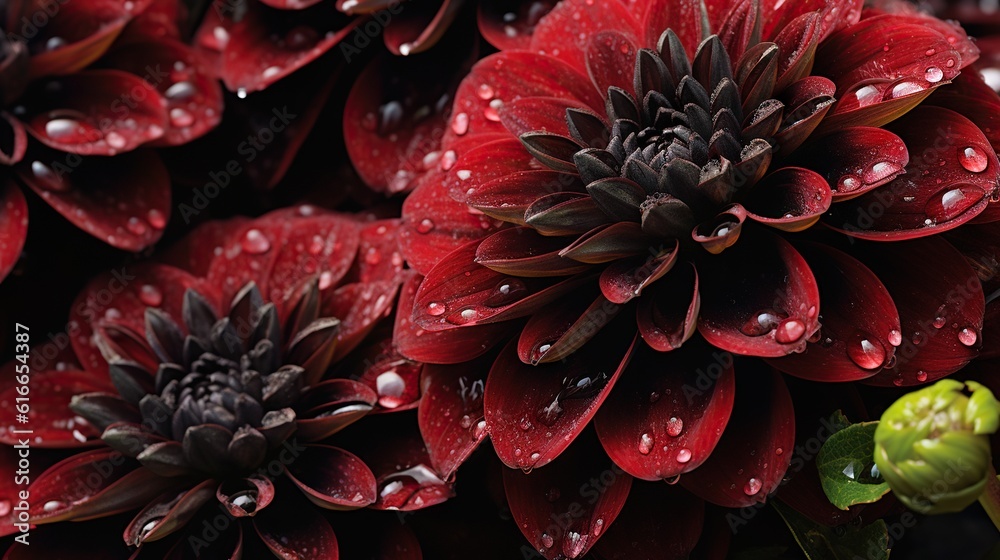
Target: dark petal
(277, 426)
(860, 327)
(747, 465)
(509, 197)
(124, 202)
(722, 231)
(667, 315)
(460, 292)
(563, 327)
(282, 388)
(564, 214)
(159, 412)
(618, 197)
(103, 409)
(198, 313)
(15, 140)
(51, 418)
(333, 478)
(165, 459)
(949, 183)
(450, 415)
(665, 216)
(661, 420)
(292, 529)
(625, 279)
(797, 44)
(452, 346)
(126, 486)
(948, 294)
(247, 449)
(164, 336)
(741, 27)
(553, 493)
(332, 405)
(757, 75)
(522, 252)
(131, 380)
(246, 497)
(130, 438)
(759, 298)
(807, 102)
(205, 447)
(646, 530)
(419, 28)
(553, 150)
(856, 160)
(608, 243)
(168, 513)
(313, 348)
(790, 199)
(13, 226)
(534, 413)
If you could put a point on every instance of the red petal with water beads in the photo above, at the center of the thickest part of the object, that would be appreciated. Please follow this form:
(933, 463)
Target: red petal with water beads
(533, 413)
(769, 309)
(835, 14)
(332, 478)
(126, 487)
(53, 423)
(13, 226)
(420, 26)
(120, 298)
(567, 28)
(562, 327)
(646, 530)
(625, 279)
(80, 34)
(756, 447)
(790, 199)
(508, 198)
(292, 528)
(260, 489)
(948, 181)
(486, 163)
(668, 314)
(666, 415)
(394, 119)
(860, 328)
(684, 17)
(451, 346)
(168, 513)
(460, 292)
(84, 114)
(522, 252)
(565, 508)
(252, 60)
(330, 406)
(856, 160)
(509, 24)
(451, 413)
(940, 307)
(532, 114)
(359, 307)
(797, 44)
(125, 202)
(608, 52)
(195, 251)
(184, 79)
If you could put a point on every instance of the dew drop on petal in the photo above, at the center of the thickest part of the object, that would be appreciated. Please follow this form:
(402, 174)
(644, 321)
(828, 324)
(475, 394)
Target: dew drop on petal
(645, 443)
(950, 203)
(895, 337)
(921, 376)
(973, 159)
(675, 426)
(150, 295)
(436, 309)
(789, 331)
(968, 336)
(255, 242)
(460, 124)
(683, 455)
(866, 351)
(752, 487)
(156, 219)
(933, 74)
(425, 226)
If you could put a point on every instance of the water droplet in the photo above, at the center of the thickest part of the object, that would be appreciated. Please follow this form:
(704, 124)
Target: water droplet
(779, 451)
(436, 309)
(848, 183)
(48, 179)
(463, 317)
(390, 386)
(53, 505)
(574, 544)
(180, 91)
(598, 525)
(968, 336)
(950, 203)
(255, 242)
(54, 43)
(939, 322)
(903, 89)
(645, 443)
(933, 74)
(789, 331)
(653, 397)
(460, 124)
(4, 507)
(683, 455)
(484, 92)
(547, 540)
(465, 422)
(752, 487)
(880, 171)
(762, 322)
(181, 118)
(973, 159)
(480, 430)
(492, 113)
(506, 292)
(675, 426)
(136, 226)
(866, 351)
(535, 456)
(895, 337)
(921, 376)
(156, 219)
(150, 295)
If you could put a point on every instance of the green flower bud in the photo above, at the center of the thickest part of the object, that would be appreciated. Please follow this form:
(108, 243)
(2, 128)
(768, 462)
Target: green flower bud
(933, 447)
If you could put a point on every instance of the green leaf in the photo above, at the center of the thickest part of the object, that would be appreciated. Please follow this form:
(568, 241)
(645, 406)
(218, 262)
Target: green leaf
(847, 469)
(845, 542)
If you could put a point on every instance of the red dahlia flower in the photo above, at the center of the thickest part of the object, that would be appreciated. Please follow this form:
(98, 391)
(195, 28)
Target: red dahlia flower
(229, 386)
(667, 203)
(84, 81)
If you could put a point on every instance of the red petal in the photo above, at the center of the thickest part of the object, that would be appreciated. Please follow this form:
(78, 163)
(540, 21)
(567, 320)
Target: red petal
(790, 199)
(77, 37)
(521, 251)
(668, 315)
(13, 226)
(530, 114)
(168, 513)
(460, 292)
(948, 184)
(834, 14)
(610, 55)
(120, 298)
(666, 415)
(195, 252)
(486, 163)
(563, 327)
(756, 448)
(547, 505)
(948, 294)
(52, 421)
(533, 413)
(394, 118)
(333, 478)
(625, 279)
(451, 346)
(15, 140)
(84, 113)
(860, 324)
(855, 160)
(451, 413)
(508, 198)
(684, 17)
(566, 30)
(509, 24)
(657, 523)
(419, 28)
(359, 307)
(260, 488)
(293, 529)
(769, 309)
(123, 201)
(330, 406)
(182, 76)
(252, 60)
